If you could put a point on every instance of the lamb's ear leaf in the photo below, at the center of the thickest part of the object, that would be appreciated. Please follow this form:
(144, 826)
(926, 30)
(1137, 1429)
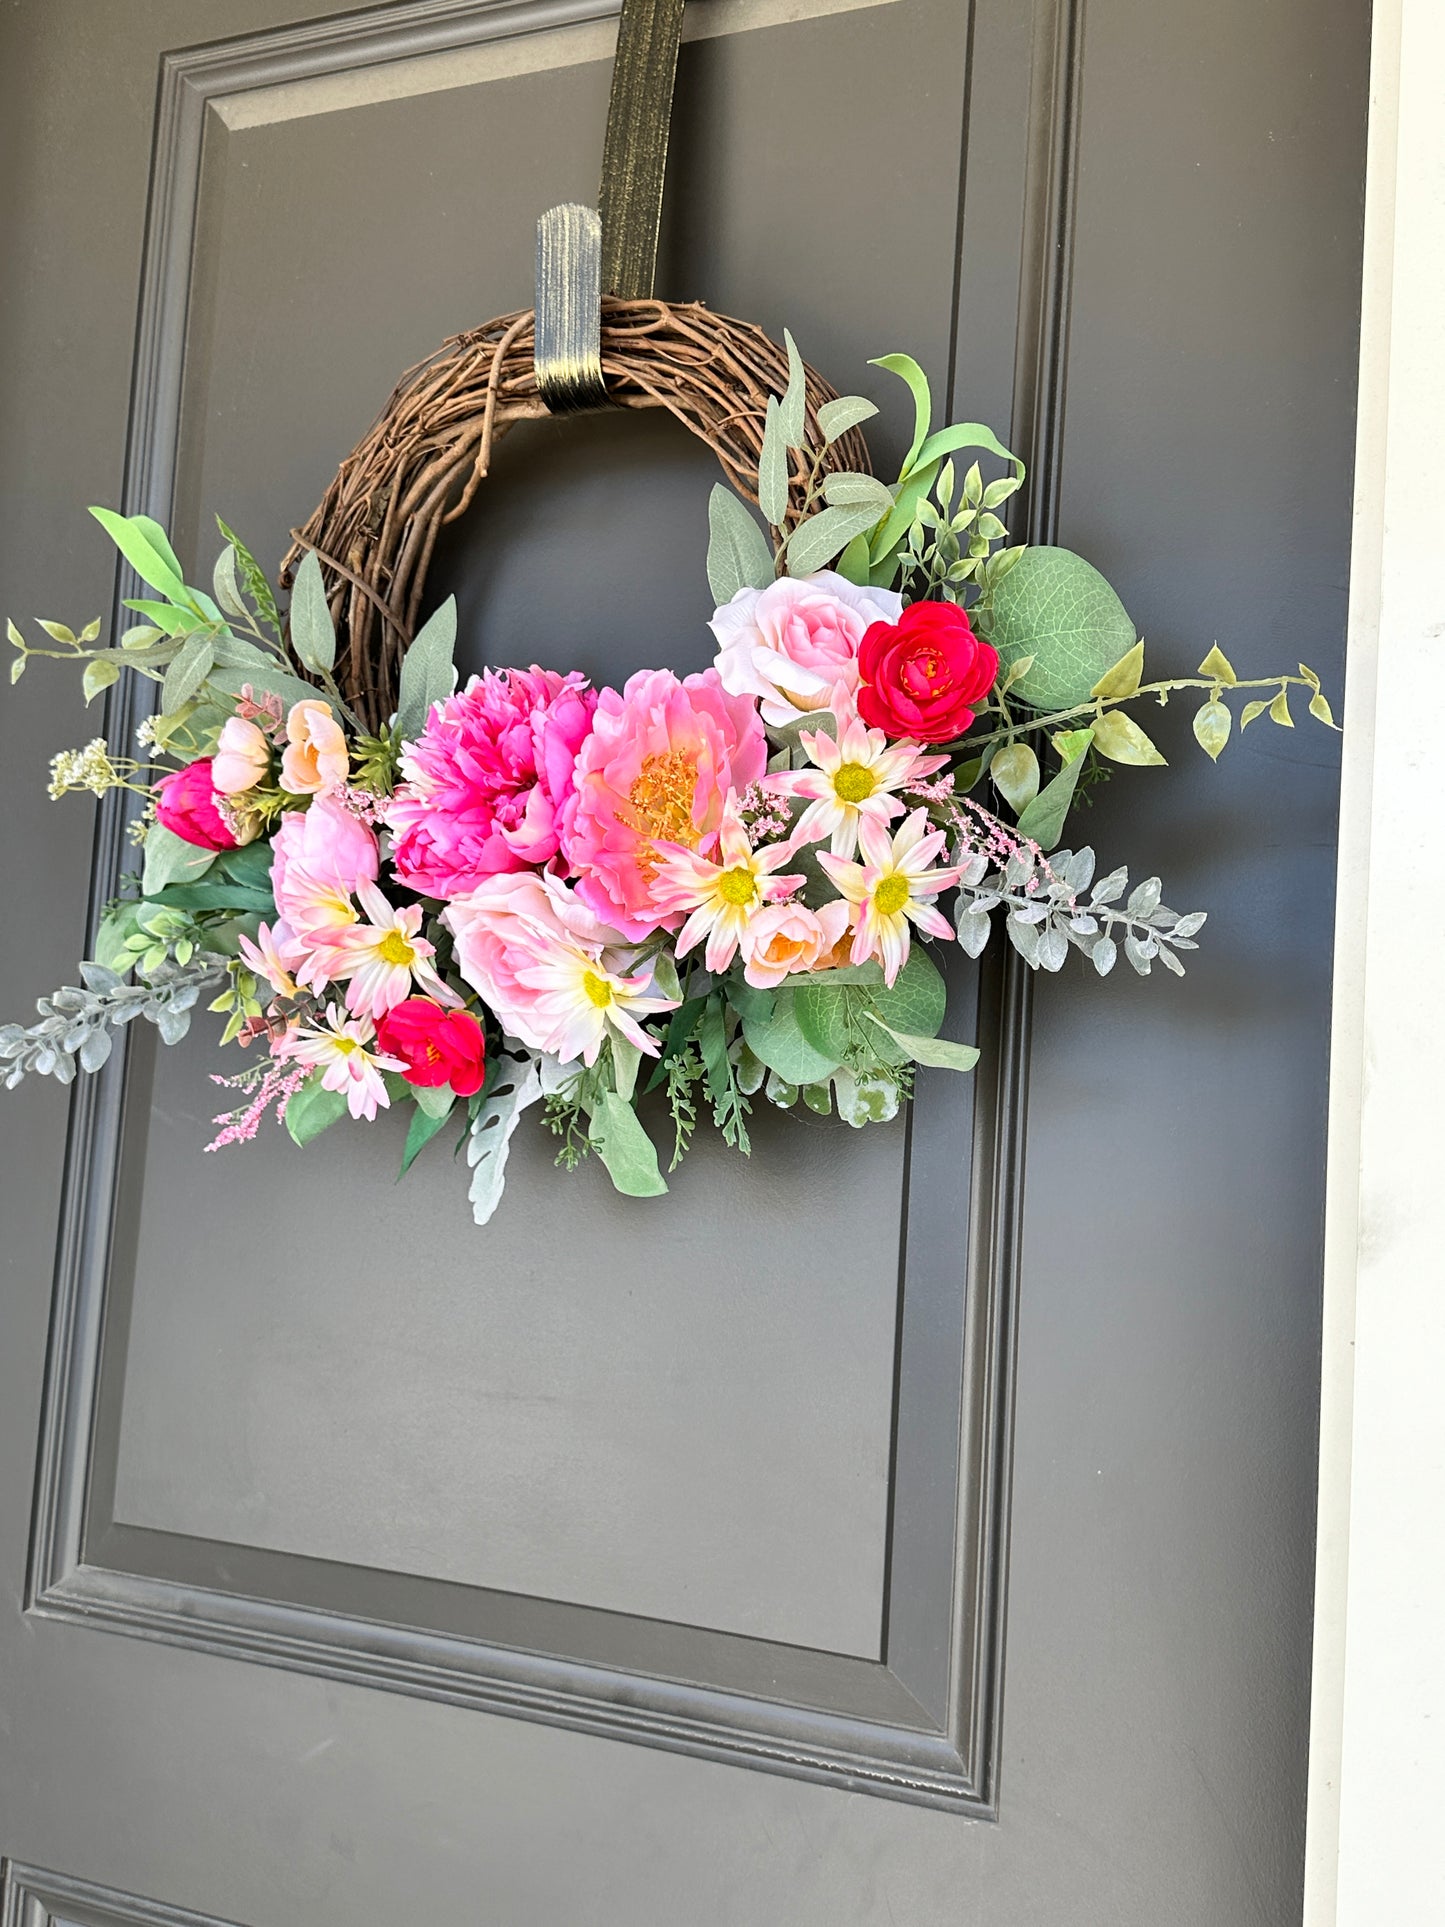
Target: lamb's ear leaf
(428, 674)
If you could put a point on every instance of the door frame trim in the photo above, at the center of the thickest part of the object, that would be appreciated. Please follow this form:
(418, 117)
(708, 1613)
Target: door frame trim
(1377, 1739)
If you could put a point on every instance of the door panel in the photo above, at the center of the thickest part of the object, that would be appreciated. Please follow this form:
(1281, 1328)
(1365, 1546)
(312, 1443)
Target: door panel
(443, 1546)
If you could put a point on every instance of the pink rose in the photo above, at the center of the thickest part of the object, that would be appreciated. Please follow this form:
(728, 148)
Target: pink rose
(318, 857)
(487, 779)
(656, 768)
(784, 938)
(315, 757)
(792, 644)
(242, 758)
(186, 805)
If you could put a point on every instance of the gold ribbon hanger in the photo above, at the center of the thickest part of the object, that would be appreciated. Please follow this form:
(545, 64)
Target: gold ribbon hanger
(583, 254)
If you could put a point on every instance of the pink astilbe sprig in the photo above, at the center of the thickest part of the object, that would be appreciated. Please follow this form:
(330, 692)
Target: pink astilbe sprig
(981, 833)
(268, 1086)
(765, 817)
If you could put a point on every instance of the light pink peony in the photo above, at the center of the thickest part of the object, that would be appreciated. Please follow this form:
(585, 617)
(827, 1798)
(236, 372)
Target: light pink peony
(554, 976)
(656, 768)
(487, 778)
(793, 643)
(318, 857)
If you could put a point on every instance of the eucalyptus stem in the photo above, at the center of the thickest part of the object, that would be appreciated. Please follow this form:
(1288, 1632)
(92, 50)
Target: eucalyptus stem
(1096, 705)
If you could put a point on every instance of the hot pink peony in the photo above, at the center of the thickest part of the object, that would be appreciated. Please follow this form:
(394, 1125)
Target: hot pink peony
(487, 779)
(656, 768)
(793, 643)
(186, 806)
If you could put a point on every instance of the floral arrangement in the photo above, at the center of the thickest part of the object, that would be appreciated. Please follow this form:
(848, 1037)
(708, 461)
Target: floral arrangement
(712, 887)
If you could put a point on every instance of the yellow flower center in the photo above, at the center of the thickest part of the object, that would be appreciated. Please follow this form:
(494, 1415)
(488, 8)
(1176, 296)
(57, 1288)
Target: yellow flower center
(346, 1045)
(597, 989)
(854, 783)
(394, 949)
(661, 804)
(738, 887)
(891, 895)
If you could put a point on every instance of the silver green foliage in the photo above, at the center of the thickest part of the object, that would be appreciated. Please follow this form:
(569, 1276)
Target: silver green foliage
(1047, 913)
(77, 1021)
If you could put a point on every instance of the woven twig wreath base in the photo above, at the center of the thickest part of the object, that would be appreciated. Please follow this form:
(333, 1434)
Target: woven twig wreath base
(422, 463)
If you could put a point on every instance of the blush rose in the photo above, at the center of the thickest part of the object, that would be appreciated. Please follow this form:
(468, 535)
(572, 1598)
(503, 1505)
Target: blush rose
(920, 676)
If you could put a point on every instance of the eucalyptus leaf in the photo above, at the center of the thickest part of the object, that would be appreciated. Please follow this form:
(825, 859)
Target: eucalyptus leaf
(313, 634)
(777, 1040)
(192, 664)
(793, 408)
(1056, 607)
(738, 553)
(428, 674)
(835, 418)
(815, 542)
(849, 490)
(625, 1148)
(100, 673)
(1218, 665)
(1279, 710)
(773, 468)
(226, 583)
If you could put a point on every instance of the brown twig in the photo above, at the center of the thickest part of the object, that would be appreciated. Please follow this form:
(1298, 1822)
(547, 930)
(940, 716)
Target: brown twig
(422, 462)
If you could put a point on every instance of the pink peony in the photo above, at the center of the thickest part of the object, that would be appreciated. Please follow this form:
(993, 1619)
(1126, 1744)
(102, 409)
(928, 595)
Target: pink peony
(487, 779)
(656, 768)
(795, 642)
(555, 977)
(318, 857)
(186, 806)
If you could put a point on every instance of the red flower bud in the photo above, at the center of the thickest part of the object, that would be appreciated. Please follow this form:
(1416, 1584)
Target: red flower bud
(186, 805)
(435, 1046)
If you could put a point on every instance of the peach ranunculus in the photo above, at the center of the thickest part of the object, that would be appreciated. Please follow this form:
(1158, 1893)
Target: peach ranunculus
(242, 758)
(656, 769)
(795, 642)
(315, 758)
(784, 938)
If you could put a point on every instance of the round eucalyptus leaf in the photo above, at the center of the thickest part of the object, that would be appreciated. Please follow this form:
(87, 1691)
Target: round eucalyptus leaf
(1056, 607)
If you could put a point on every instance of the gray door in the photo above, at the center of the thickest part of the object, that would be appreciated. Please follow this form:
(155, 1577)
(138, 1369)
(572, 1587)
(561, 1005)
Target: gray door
(912, 1529)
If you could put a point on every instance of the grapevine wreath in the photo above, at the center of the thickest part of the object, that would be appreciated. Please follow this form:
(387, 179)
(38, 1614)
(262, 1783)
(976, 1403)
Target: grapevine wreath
(634, 904)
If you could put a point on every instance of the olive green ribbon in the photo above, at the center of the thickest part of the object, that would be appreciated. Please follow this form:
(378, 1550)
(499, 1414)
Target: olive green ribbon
(580, 254)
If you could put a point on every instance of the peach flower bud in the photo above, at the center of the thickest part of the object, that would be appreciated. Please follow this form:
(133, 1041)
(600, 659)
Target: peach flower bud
(315, 758)
(784, 938)
(242, 757)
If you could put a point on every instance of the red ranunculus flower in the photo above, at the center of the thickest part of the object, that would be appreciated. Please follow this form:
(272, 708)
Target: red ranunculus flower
(921, 675)
(186, 804)
(435, 1046)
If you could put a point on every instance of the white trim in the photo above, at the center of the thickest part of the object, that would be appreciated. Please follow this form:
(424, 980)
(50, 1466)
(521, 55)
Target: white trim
(1377, 1751)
